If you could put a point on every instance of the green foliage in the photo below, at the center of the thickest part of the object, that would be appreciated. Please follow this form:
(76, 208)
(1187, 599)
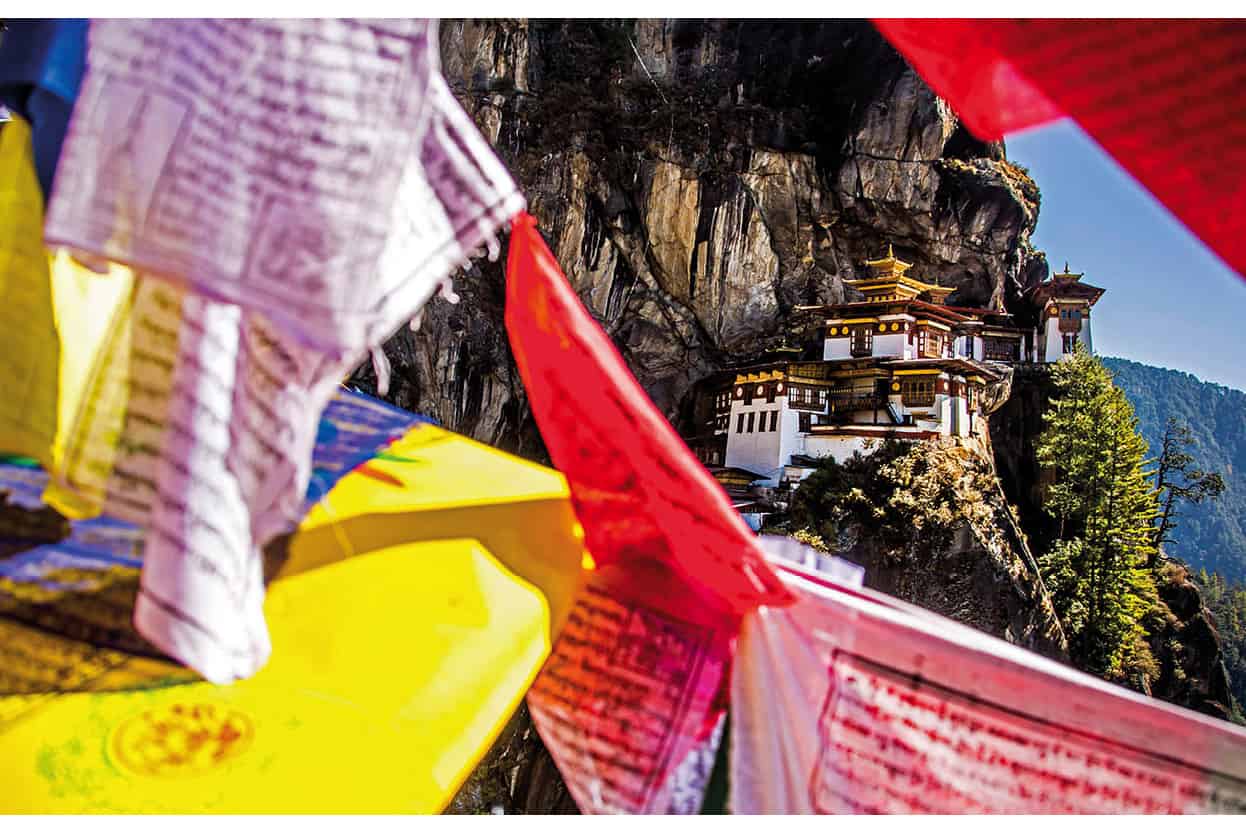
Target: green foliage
(1098, 570)
(811, 539)
(1227, 602)
(1067, 586)
(1210, 534)
(837, 495)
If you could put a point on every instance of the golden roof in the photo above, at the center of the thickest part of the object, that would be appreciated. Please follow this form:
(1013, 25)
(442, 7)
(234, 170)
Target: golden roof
(890, 274)
(1066, 275)
(890, 266)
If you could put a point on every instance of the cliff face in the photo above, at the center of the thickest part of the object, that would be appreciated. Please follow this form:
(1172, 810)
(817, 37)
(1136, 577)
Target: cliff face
(1014, 430)
(697, 179)
(1187, 646)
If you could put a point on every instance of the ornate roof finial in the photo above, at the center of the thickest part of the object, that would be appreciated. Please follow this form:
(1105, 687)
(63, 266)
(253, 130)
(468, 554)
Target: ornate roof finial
(1067, 275)
(890, 266)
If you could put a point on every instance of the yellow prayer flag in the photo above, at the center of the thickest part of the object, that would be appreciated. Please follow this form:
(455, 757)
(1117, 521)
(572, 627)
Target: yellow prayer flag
(409, 614)
(29, 347)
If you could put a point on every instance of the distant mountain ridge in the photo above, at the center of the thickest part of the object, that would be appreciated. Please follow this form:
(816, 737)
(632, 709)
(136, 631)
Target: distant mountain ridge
(1211, 535)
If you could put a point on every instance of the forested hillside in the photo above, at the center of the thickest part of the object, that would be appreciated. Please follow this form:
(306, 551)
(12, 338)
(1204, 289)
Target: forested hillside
(1210, 535)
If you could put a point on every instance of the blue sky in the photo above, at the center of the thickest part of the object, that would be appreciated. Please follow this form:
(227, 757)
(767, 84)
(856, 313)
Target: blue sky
(1170, 301)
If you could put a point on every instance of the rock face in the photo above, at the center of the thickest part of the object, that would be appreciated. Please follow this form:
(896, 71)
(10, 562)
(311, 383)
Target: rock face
(986, 577)
(1187, 647)
(1014, 430)
(930, 525)
(696, 180)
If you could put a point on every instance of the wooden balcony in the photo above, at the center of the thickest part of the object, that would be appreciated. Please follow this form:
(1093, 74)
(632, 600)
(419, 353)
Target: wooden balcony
(846, 402)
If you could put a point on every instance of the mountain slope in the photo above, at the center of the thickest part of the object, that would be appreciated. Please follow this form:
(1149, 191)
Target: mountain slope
(1211, 535)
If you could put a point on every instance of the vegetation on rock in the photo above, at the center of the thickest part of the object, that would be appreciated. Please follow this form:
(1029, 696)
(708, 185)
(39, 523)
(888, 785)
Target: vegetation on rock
(1227, 603)
(896, 492)
(929, 523)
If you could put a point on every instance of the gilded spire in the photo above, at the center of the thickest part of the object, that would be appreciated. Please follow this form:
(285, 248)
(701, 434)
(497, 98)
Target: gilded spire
(1068, 276)
(890, 281)
(890, 266)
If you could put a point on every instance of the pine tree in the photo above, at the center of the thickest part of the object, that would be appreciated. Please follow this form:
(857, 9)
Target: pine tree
(1098, 569)
(1177, 480)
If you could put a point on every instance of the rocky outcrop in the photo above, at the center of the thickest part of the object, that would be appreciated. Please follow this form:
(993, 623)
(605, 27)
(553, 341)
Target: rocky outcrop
(696, 180)
(1186, 645)
(930, 525)
(1014, 430)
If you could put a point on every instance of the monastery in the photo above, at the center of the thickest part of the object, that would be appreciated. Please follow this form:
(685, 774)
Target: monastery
(901, 363)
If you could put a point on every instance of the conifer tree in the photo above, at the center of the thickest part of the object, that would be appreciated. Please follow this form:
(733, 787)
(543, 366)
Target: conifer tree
(1177, 480)
(1098, 569)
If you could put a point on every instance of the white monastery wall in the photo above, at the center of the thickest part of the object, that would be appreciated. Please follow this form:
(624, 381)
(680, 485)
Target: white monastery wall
(759, 450)
(1055, 345)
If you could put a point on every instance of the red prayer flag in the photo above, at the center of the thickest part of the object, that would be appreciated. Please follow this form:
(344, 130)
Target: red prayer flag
(637, 489)
(1163, 97)
(633, 688)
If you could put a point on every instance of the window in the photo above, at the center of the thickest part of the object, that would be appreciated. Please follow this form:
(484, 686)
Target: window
(748, 395)
(1070, 320)
(770, 394)
(774, 420)
(1070, 342)
(800, 397)
(969, 347)
(806, 421)
(739, 426)
(751, 415)
(723, 401)
(930, 343)
(918, 392)
(862, 341)
(1001, 350)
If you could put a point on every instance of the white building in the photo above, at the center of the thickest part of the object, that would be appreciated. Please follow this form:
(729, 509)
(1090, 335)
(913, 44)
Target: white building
(900, 364)
(1064, 304)
(781, 414)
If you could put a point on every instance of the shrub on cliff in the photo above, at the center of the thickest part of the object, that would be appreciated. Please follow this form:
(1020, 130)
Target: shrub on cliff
(911, 497)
